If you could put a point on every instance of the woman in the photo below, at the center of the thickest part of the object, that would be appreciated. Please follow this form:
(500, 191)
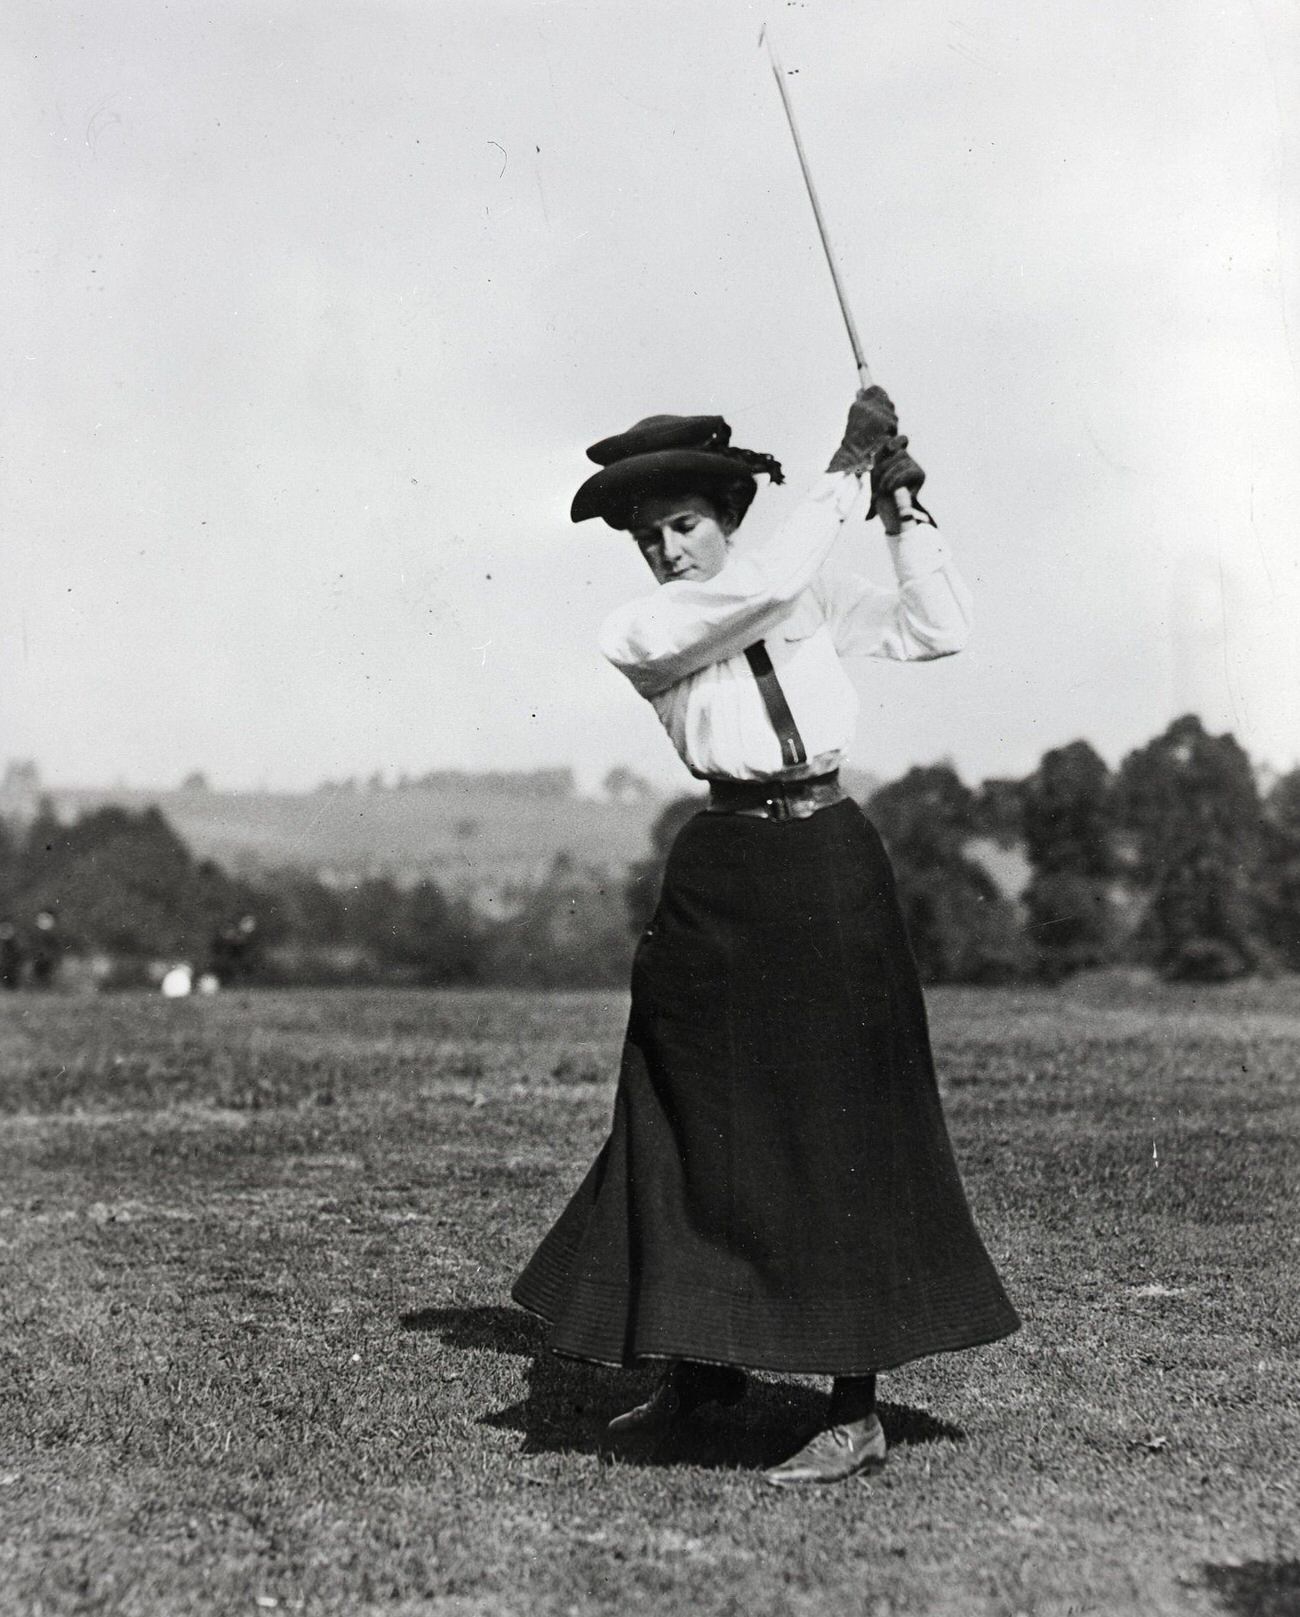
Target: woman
(777, 1191)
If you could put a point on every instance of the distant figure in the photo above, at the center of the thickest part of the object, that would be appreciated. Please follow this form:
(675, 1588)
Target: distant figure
(11, 956)
(231, 950)
(47, 946)
(178, 983)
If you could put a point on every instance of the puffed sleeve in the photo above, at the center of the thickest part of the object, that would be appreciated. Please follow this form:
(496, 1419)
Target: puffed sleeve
(659, 639)
(928, 615)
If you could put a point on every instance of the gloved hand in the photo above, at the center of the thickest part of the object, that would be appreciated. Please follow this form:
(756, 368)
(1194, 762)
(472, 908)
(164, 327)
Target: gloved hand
(873, 421)
(892, 470)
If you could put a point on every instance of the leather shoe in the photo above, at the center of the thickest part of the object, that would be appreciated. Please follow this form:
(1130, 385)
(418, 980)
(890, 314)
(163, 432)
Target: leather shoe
(681, 1390)
(834, 1453)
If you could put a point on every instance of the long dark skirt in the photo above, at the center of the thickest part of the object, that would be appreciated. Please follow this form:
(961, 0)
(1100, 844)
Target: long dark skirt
(778, 1190)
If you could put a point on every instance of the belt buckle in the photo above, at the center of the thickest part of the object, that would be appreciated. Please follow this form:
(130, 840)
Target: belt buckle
(779, 807)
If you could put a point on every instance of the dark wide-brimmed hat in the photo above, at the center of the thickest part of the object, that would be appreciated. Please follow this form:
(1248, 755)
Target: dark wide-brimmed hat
(668, 454)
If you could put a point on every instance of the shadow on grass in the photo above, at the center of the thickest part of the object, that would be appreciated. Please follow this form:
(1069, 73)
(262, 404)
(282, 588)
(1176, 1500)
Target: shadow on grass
(500, 1330)
(568, 1403)
(1257, 1588)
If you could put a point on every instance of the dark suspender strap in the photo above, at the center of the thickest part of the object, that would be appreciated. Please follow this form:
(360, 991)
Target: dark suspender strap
(778, 709)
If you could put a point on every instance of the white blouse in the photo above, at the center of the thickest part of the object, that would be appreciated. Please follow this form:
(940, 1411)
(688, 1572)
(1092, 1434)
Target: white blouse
(683, 646)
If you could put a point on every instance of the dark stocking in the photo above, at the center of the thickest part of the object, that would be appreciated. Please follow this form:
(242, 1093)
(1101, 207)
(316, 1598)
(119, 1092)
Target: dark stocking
(705, 1383)
(852, 1398)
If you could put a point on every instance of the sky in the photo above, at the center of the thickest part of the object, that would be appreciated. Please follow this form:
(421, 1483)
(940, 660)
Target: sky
(312, 309)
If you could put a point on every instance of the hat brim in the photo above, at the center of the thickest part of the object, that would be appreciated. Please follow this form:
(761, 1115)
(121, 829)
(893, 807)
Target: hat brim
(615, 491)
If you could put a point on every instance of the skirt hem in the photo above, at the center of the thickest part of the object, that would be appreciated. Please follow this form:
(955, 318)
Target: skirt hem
(764, 1365)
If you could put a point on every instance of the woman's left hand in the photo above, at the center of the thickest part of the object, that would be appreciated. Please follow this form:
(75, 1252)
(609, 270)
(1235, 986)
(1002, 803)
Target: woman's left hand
(873, 421)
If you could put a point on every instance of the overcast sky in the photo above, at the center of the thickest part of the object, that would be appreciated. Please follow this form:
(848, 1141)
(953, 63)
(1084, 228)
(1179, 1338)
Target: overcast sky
(311, 310)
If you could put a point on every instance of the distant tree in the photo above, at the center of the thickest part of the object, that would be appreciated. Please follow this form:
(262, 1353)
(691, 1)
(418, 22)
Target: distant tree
(961, 927)
(195, 781)
(645, 877)
(9, 845)
(13, 957)
(371, 909)
(45, 839)
(926, 817)
(431, 937)
(371, 930)
(1282, 805)
(124, 883)
(570, 932)
(623, 785)
(1067, 814)
(1191, 804)
(303, 930)
(549, 783)
(1278, 876)
(12, 953)
(998, 810)
(294, 905)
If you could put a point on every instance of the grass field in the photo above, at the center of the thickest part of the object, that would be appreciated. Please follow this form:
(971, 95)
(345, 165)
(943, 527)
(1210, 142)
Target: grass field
(258, 1352)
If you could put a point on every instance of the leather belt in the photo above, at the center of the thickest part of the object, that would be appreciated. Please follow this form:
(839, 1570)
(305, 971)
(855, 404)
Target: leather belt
(775, 799)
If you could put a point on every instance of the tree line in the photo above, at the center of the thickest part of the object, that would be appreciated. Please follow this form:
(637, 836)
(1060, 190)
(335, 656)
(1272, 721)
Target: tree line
(1178, 860)
(118, 894)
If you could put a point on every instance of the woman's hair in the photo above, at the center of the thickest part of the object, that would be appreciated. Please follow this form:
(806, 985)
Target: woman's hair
(731, 500)
(730, 497)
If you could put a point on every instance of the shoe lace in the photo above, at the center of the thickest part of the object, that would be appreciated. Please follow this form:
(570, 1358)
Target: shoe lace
(832, 1437)
(852, 1435)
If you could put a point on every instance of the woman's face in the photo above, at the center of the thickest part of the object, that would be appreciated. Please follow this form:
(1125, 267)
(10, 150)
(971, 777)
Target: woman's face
(682, 537)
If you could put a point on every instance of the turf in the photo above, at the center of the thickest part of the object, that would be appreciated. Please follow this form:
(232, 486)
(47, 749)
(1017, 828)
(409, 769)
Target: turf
(258, 1352)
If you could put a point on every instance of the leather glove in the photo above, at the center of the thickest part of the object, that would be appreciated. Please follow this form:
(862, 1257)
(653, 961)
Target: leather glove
(872, 422)
(893, 469)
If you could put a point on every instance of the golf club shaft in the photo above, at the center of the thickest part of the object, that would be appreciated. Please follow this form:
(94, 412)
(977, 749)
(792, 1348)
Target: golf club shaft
(901, 501)
(855, 341)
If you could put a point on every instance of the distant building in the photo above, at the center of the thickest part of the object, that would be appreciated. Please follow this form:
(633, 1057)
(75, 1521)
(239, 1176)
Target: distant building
(20, 790)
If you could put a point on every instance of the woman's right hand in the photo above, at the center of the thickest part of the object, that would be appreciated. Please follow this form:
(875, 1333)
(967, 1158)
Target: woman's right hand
(872, 422)
(896, 479)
